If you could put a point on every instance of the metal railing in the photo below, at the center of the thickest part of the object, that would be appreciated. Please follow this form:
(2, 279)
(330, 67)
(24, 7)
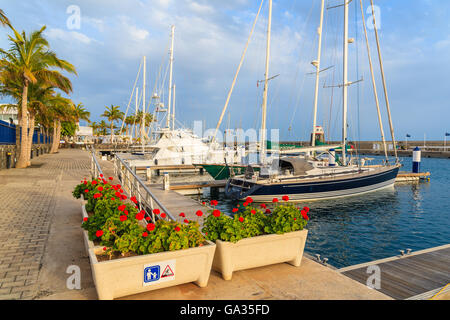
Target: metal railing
(96, 170)
(134, 186)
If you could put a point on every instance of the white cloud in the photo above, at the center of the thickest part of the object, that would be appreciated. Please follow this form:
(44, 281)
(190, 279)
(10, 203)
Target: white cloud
(60, 34)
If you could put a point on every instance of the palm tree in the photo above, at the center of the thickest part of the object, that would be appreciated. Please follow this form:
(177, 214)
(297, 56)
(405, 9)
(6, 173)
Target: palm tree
(29, 62)
(81, 114)
(129, 121)
(102, 128)
(61, 109)
(113, 114)
(3, 19)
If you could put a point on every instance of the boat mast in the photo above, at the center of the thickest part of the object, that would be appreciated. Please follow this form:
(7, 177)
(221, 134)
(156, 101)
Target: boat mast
(317, 65)
(173, 108)
(384, 81)
(170, 78)
(135, 115)
(345, 86)
(375, 92)
(143, 106)
(266, 85)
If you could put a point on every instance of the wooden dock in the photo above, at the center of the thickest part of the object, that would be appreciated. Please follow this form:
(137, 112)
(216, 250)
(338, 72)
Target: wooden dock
(414, 276)
(409, 176)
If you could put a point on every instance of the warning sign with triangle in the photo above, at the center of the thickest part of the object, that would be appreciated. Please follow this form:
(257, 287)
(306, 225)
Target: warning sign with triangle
(167, 272)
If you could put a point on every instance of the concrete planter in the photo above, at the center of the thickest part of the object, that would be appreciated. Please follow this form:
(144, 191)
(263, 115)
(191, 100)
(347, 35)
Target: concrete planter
(132, 275)
(88, 244)
(259, 251)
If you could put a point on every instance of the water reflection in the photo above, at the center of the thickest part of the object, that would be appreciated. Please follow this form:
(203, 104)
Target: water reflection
(376, 225)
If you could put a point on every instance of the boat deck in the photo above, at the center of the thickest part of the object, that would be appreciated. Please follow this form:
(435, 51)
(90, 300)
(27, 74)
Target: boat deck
(414, 276)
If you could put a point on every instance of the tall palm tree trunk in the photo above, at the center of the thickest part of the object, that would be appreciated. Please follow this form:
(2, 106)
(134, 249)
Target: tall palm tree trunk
(55, 137)
(112, 132)
(23, 158)
(30, 137)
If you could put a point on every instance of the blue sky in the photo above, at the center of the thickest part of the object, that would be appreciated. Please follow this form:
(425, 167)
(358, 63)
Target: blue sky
(209, 40)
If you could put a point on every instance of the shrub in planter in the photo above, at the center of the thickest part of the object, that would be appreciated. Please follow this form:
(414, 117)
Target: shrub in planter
(256, 237)
(131, 243)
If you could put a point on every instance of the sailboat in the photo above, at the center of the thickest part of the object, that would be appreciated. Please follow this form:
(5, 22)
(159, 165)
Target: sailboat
(311, 177)
(168, 145)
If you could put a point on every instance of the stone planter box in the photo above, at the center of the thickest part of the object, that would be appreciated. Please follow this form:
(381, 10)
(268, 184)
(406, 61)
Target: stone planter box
(132, 275)
(259, 251)
(88, 244)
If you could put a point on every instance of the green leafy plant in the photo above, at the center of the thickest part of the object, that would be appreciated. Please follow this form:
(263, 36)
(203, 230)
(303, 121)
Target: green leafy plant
(251, 221)
(115, 222)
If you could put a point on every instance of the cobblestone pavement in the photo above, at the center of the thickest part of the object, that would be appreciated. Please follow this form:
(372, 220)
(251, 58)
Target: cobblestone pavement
(28, 200)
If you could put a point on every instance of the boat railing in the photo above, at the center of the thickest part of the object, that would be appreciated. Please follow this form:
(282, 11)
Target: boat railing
(134, 186)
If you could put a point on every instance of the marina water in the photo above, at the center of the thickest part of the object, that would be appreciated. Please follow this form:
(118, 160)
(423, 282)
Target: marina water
(377, 225)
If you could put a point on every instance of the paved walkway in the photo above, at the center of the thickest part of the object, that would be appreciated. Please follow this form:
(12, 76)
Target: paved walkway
(40, 226)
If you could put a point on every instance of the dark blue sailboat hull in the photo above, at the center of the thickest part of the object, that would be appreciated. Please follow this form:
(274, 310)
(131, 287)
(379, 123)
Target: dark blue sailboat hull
(316, 190)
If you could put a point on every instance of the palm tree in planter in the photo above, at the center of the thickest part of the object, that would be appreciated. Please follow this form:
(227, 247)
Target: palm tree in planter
(30, 61)
(112, 114)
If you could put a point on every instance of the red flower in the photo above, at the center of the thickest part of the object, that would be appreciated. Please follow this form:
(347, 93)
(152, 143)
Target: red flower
(150, 227)
(263, 206)
(111, 178)
(94, 182)
(182, 215)
(139, 216)
(121, 191)
(133, 199)
(306, 209)
(101, 175)
(85, 182)
(123, 218)
(104, 248)
(117, 194)
(99, 233)
(204, 203)
(245, 204)
(249, 200)
(156, 211)
(295, 219)
(113, 199)
(275, 200)
(100, 189)
(144, 234)
(177, 228)
(163, 215)
(124, 197)
(85, 219)
(216, 213)
(304, 215)
(86, 191)
(268, 211)
(285, 198)
(241, 219)
(118, 186)
(97, 195)
(199, 213)
(235, 210)
(125, 211)
(122, 207)
(253, 211)
(214, 203)
(147, 218)
(186, 221)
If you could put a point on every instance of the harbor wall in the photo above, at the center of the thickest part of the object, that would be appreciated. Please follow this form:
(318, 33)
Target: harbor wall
(9, 154)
